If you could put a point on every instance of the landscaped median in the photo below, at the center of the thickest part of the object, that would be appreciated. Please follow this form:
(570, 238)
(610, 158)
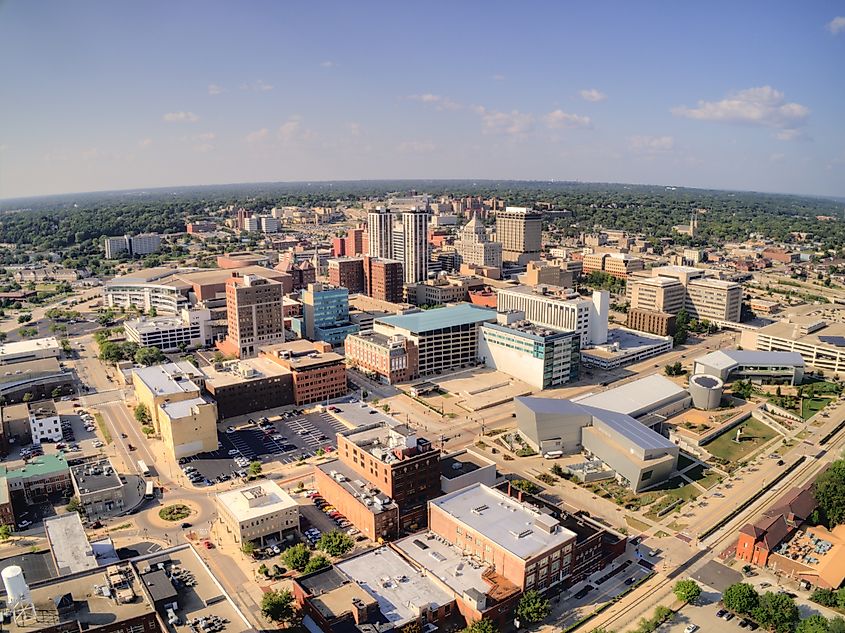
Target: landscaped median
(598, 611)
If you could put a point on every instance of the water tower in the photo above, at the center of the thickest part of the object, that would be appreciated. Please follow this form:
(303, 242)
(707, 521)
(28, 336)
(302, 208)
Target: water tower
(18, 598)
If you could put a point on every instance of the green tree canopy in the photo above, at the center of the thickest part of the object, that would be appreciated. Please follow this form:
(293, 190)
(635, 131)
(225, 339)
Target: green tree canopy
(335, 543)
(532, 607)
(316, 563)
(148, 356)
(777, 612)
(740, 597)
(5, 532)
(480, 626)
(297, 557)
(813, 624)
(142, 413)
(278, 606)
(255, 468)
(830, 492)
(687, 590)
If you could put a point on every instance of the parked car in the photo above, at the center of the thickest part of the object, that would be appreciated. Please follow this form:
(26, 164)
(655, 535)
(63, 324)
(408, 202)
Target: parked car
(233, 451)
(24, 524)
(691, 628)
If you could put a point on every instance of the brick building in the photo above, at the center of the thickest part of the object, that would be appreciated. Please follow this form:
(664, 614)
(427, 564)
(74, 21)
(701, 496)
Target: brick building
(347, 272)
(383, 279)
(661, 323)
(391, 359)
(318, 373)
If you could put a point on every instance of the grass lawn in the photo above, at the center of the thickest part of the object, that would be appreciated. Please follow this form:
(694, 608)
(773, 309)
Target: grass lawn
(674, 489)
(702, 475)
(811, 406)
(101, 424)
(754, 435)
(636, 524)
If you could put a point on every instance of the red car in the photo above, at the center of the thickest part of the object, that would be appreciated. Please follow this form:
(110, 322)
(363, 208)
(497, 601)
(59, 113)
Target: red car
(328, 449)
(208, 544)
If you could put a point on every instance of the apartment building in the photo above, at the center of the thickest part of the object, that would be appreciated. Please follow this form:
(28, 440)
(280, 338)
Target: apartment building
(258, 511)
(347, 272)
(318, 373)
(445, 338)
(383, 279)
(415, 244)
(390, 359)
(560, 309)
(132, 245)
(325, 311)
(519, 231)
(380, 233)
(254, 313)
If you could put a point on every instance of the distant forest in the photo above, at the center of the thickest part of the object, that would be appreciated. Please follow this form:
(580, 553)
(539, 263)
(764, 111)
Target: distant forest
(79, 221)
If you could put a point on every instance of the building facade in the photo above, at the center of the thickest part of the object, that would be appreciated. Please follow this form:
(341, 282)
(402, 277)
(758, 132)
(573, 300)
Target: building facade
(257, 512)
(189, 330)
(325, 312)
(254, 313)
(519, 231)
(415, 244)
(660, 323)
(347, 272)
(383, 279)
(473, 246)
(318, 373)
(380, 234)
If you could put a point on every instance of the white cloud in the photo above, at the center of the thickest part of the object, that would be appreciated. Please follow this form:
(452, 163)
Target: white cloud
(214, 89)
(513, 123)
(591, 94)
(836, 25)
(257, 136)
(440, 103)
(776, 158)
(292, 131)
(763, 106)
(790, 135)
(417, 147)
(560, 119)
(327, 64)
(651, 144)
(204, 148)
(180, 117)
(147, 142)
(257, 86)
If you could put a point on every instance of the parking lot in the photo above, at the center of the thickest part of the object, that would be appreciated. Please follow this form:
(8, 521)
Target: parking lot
(296, 438)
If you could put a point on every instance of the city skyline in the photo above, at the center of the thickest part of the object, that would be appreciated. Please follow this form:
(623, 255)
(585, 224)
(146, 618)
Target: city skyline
(728, 97)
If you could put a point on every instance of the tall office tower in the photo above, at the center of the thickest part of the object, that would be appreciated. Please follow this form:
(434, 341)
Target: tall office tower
(383, 279)
(397, 240)
(415, 238)
(519, 230)
(474, 247)
(380, 233)
(325, 312)
(253, 313)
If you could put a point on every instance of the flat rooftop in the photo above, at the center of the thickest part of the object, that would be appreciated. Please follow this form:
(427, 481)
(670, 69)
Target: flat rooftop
(145, 275)
(440, 318)
(729, 358)
(333, 591)
(29, 369)
(400, 589)
(301, 354)
(95, 476)
(355, 414)
(502, 519)
(182, 408)
(258, 499)
(830, 334)
(155, 324)
(29, 346)
(634, 433)
(635, 396)
(91, 609)
(69, 543)
(51, 463)
(629, 342)
(355, 485)
(42, 409)
(243, 370)
(462, 463)
(169, 377)
(529, 330)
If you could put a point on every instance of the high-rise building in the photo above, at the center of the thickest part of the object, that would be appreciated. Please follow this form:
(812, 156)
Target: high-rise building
(415, 244)
(383, 279)
(142, 244)
(347, 272)
(474, 247)
(380, 233)
(325, 312)
(254, 315)
(519, 231)
(269, 224)
(671, 287)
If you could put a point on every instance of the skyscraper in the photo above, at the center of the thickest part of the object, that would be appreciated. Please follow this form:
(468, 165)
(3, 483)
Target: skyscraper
(380, 233)
(474, 247)
(415, 238)
(519, 230)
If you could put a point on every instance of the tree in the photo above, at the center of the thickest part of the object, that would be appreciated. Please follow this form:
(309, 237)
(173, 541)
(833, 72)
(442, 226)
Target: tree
(480, 626)
(57, 392)
(829, 491)
(777, 612)
(110, 352)
(532, 607)
(837, 625)
(5, 533)
(148, 356)
(825, 597)
(412, 627)
(254, 469)
(687, 590)
(317, 563)
(297, 557)
(740, 597)
(813, 624)
(24, 318)
(27, 397)
(335, 543)
(278, 606)
(525, 485)
(142, 413)
(74, 505)
(248, 548)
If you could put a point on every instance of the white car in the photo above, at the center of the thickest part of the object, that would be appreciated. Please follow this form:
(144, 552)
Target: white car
(691, 628)
(98, 444)
(230, 429)
(234, 451)
(24, 524)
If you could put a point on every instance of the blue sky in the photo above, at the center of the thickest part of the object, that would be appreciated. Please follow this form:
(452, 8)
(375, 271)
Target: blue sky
(114, 95)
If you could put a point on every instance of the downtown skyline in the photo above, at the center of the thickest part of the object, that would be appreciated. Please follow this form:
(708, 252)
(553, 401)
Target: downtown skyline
(102, 96)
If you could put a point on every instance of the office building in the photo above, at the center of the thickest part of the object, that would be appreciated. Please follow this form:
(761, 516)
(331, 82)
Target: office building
(319, 374)
(380, 234)
(200, 226)
(542, 357)
(656, 294)
(241, 387)
(325, 313)
(519, 231)
(660, 323)
(132, 245)
(649, 400)
(543, 273)
(257, 512)
(560, 309)
(445, 338)
(473, 246)
(438, 291)
(269, 224)
(466, 468)
(347, 272)
(188, 427)
(98, 487)
(820, 344)
(28, 350)
(614, 264)
(639, 457)
(383, 279)
(758, 367)
(714, 300)
(389, 359)
(704, 298)
(69, 546)
(254, 315)
(41, 479)
(415, 244)
(189, 330)
(45, 424)
(164, 384)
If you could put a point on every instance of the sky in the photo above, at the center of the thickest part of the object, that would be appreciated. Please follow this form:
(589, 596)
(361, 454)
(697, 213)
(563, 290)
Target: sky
(105, 95)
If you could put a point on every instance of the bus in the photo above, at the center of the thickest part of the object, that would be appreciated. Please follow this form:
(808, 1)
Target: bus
(150, 491)
(142, 468)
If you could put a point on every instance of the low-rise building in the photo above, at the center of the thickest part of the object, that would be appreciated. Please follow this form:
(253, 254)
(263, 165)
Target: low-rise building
(45, 424)
(98, 487)
(537, 355)
(660, 323)
(239, 260)
(40, 479)
(260, 511)
(38, 378)
(245, 386)
(649, 400)
(31, 349)
(164, 384)
(759, 367)
(332, 601)
(441, 290)
(625, 347)
(465, 468)
(190, 329)
(69, 546)
(188, 427)
(763, 306)
(390, 359)
(319, 374)
(820, 344)
(347, 272)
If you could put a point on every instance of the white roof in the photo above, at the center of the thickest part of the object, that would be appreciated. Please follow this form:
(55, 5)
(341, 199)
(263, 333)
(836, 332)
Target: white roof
(257, 499)
(636, 396)
(730, 358)
(169, 377)
(70, 546)
(32, 345)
